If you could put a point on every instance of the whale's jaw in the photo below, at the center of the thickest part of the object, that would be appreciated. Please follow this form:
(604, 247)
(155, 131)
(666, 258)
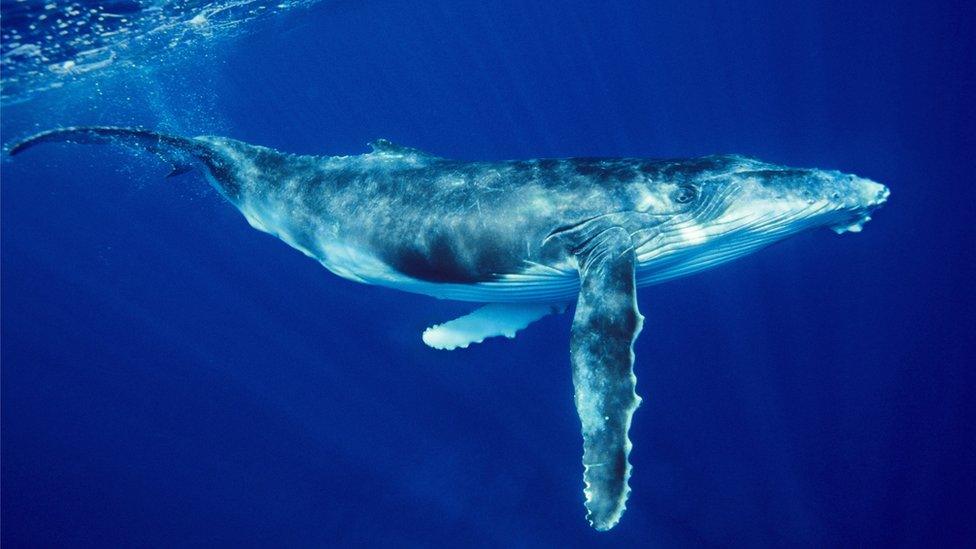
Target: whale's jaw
(757, 211)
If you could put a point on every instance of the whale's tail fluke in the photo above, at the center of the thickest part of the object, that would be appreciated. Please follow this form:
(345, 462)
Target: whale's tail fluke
(178, 151)
(228, 163)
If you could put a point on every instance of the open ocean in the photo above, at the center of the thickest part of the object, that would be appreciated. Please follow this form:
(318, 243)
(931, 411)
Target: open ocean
(171, 377)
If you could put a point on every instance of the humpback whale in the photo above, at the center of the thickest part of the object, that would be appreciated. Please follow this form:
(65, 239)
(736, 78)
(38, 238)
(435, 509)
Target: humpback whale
(526, 238)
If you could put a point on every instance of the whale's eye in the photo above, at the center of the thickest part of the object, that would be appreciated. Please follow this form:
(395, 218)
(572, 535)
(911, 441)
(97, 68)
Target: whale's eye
(685, 194)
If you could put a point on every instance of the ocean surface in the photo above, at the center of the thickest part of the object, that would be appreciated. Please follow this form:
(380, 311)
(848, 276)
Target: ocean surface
(171, 377)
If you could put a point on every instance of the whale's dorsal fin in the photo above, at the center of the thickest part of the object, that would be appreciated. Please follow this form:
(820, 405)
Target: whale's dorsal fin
(605, 326)
(494, 319)
(385, 146)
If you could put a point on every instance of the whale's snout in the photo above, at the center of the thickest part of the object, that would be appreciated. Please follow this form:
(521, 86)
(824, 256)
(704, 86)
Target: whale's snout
(868, 196)
(875, 193)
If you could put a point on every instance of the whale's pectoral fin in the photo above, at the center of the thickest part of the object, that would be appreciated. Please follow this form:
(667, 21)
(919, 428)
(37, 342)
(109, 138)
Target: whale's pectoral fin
(495, 319)
(601, 348)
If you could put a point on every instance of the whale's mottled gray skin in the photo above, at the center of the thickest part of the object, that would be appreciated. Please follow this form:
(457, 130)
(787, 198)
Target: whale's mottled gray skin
(525, 234)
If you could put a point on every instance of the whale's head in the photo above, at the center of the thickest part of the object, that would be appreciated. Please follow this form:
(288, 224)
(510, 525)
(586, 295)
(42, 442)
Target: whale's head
(739, 205)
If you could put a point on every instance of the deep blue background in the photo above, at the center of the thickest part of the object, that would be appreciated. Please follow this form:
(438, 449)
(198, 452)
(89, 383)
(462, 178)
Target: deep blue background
(170, 376)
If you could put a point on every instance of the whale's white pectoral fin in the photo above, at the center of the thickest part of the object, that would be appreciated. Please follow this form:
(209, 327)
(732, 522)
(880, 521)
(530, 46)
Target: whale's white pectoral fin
(495, 319)
(605, 326)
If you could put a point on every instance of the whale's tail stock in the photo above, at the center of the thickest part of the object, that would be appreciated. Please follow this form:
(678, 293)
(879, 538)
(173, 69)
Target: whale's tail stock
(179, 152)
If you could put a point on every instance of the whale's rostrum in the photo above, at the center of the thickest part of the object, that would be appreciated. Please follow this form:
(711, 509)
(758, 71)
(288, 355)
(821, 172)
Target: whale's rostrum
(523, 237)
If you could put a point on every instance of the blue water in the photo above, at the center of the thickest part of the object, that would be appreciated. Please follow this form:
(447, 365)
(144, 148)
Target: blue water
(172, 377)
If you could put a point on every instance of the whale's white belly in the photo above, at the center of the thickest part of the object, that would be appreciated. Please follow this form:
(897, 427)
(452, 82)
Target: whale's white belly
(537, 283)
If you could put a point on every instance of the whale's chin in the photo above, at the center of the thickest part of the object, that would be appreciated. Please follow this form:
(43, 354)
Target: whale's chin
(852, 223)
(855, 226)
